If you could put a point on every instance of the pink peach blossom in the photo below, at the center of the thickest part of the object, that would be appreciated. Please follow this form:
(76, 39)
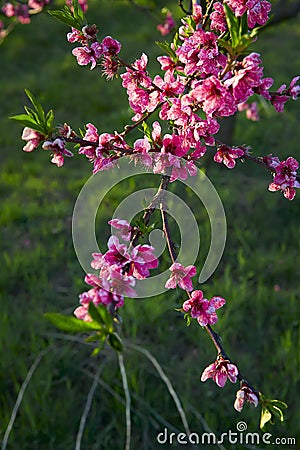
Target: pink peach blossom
(220, 371)
(245, 394)
(181, 276)
(202, 309)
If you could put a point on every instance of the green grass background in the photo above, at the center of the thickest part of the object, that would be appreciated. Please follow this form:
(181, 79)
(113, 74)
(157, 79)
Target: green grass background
(40, 272)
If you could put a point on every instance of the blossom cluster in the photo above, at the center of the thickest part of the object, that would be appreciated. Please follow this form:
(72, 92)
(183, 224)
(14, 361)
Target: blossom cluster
(202, 83)
(285, 175)
(221, 371)
(56, 146)
(123, 264)
(118, 269)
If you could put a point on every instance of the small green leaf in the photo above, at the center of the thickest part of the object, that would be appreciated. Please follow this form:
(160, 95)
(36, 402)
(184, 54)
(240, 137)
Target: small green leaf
(147, 131)
(93, 312)
(165, 46)
(176, 41)
(31, 113)
(101, 315)
(78, 13)
(37, 106)
(115, 342)
(28, 121)
(66, 17)
(71, 324)
(93, 338)
(278, 403)
(49, 118)
(277, 412)
(233, 24)
(97, 350)
(225, 44)
(243, 25)
(265, 417)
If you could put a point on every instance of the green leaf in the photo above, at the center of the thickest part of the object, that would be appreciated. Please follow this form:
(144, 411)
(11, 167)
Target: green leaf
(101, 315)
(225, 44)
(93, 312)
(31, 113)
(77, 11)
(243, 25)
(49, 118)
(115, 342)
(37, 106)
(71, 324)
(176, 41)
(165, 46)
(93, 338)
(265, 417)
(66, 17)
(97, 350)
(278, 403)
(147, 131)
(28, 121)
(233, 24)
(277, 412)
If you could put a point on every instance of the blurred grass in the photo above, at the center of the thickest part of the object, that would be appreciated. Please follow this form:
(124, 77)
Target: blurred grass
(40, 272)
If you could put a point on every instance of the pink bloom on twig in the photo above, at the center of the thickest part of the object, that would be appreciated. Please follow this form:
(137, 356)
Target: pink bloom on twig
(86, 55)
(33, 138)
(258, 11)
(182, 276)
(227, 155)
(202, 309)
(221, 370)
(20, 12)
(214, 97)
(122, 227)
(142, 147)
(218, 18)
(168, 24)
(245, 394)
(75, 36)
(142, 259)
(58, 150)
(283, 94)
(117, 253)
(285, 178)
(119, 283)
(110, 46)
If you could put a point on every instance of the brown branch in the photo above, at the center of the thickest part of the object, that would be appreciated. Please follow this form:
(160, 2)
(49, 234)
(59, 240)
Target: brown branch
(166, 230)
(129, 128)
(165, 179)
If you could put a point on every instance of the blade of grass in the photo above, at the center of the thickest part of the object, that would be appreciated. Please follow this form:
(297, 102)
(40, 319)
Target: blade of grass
(127, 399)
(21, 393)
(204, 424)
(88, 407)
(167, 382)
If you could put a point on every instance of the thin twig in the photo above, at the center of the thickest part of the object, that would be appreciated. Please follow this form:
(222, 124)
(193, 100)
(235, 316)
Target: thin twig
(167, 233)
(21, 395)
(167, 382)
(128, 401)
(156, 200)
